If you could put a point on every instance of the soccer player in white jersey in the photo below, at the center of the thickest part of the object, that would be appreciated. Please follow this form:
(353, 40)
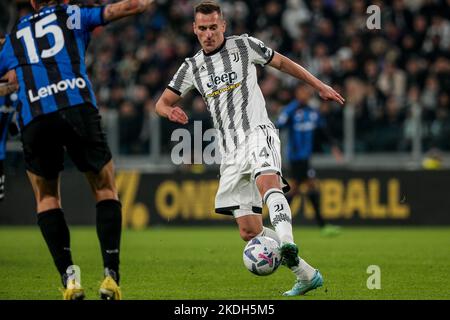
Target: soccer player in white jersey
(224, 73)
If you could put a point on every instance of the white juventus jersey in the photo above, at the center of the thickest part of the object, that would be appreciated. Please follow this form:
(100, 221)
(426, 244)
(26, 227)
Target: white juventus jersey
(227, 80)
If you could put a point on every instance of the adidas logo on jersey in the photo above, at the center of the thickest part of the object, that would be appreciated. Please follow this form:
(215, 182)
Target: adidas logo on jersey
(53, 89)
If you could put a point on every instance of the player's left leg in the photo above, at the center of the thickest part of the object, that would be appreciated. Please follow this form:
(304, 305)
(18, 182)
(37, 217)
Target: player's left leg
(308, 278)
(44, 158)
(56, 233)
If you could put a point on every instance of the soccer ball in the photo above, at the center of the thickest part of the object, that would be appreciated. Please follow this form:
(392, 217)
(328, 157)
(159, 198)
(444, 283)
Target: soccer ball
(262, 256)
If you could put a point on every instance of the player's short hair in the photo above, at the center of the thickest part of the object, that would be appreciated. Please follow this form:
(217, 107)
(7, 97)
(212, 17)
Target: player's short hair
(208, 7)
(41, 2)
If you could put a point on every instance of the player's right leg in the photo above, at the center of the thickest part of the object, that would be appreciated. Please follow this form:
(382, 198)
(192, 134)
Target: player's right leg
(270, 188)
(44, 160)
(56, 233)
(308, 278)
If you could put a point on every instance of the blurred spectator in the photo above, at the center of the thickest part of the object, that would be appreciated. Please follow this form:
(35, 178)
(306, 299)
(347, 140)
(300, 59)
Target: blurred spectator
(389, 130)
(440, 126)
(392, 81)
(430, 93)
(130, 125)
(413, 123)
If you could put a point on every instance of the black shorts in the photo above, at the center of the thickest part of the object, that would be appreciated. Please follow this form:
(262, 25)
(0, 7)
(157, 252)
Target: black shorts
(301, 170)
(76, 129)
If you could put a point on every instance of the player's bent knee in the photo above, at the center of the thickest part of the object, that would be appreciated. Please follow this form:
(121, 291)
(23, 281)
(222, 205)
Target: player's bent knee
(106, 194)
(267, 182)
(248, 234)
(47, 203)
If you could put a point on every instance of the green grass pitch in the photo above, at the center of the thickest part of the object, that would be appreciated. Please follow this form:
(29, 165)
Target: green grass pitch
(206, 263)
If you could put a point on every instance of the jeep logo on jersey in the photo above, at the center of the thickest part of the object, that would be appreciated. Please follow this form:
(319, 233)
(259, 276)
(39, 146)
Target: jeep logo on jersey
(224, 78)
(53, 89)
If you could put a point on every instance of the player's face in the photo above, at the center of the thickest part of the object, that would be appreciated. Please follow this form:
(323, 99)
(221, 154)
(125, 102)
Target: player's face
(209, 29)
(303, 94)
(36, 6)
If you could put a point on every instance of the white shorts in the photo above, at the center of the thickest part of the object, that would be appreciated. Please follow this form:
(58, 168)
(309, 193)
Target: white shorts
(238, 194)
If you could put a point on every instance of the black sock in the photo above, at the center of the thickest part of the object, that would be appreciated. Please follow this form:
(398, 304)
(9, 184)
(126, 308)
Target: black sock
(56, 234)
(314, 197)
(109, 228)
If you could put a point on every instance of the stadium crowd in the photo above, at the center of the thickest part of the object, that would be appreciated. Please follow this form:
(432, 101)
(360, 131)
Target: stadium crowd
(387, 74)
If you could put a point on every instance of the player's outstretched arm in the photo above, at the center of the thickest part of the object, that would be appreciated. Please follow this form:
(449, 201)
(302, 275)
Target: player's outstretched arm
(166, 108)
(288, 66)
(125, 8)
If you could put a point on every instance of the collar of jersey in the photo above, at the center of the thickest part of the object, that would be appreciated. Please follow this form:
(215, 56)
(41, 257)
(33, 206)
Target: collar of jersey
(216, 50)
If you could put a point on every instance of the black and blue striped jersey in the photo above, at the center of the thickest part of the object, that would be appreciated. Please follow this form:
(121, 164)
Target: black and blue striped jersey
(7, 108)
(47, 50)
(301, 122)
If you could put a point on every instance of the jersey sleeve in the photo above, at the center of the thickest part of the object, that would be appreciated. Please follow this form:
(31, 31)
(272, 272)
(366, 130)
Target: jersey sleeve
(182, 82)
(259, 52)
(92, 17)
(8, 60)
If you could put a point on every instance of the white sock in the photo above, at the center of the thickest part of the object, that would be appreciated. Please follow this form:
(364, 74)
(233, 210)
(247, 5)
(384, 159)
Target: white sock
(280, 214)
(281, 218)
(267, 232)
(304, 271)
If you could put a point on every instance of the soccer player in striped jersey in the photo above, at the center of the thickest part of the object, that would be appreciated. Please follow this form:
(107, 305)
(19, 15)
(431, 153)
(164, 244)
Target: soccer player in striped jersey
(224, 72)
(57, 111)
